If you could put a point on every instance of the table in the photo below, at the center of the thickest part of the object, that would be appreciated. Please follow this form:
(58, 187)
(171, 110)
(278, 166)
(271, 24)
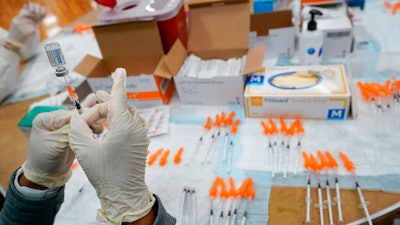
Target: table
(286, 204)
(13, 142)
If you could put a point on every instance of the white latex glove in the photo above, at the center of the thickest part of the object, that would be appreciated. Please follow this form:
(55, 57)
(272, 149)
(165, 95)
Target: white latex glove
(115, 166)
(49, 156)
(26, 23)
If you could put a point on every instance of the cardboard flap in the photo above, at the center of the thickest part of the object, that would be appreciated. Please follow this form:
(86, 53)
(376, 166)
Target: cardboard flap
(263, 22)
(254, 60)
(133, 65)
(176, 56)
(136, 46)
(171, 63)
(92, 66)
(219, 25)
(162, 69)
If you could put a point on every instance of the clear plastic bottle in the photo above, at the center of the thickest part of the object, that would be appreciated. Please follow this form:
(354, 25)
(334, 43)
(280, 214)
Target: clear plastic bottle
(311, 42)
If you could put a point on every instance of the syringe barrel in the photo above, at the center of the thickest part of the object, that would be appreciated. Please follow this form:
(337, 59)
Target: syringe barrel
(56, 58)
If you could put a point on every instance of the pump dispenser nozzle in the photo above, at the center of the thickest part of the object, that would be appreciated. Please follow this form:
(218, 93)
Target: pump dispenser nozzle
(312, 25)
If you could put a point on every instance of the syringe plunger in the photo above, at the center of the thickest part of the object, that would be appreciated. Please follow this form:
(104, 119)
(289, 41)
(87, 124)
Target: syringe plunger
(56, 58)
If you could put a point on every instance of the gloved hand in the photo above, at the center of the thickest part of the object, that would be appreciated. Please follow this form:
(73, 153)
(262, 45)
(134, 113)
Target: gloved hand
(49, 156)
(26, 22)
(115, 166)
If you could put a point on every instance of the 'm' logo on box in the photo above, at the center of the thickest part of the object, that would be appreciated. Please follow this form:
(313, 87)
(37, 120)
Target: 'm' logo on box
(335, 114)
(255, 80)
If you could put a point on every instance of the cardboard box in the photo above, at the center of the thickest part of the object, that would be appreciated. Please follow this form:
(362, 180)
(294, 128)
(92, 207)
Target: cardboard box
(275, 31)
(135, 46)
(261, 6)
(217, 30)
(327, 98)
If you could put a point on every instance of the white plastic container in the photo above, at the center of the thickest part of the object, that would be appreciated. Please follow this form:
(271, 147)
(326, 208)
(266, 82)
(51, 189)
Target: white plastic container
(374, 68)
(311, 41)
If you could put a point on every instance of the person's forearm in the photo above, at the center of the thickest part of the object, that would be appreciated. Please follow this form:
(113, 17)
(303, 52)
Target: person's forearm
(146, 220)
(27, 183)
(21, 209)
(157, 216)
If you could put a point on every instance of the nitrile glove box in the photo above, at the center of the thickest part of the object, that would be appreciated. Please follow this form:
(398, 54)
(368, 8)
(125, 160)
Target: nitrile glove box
(217, 30)
(327, 97)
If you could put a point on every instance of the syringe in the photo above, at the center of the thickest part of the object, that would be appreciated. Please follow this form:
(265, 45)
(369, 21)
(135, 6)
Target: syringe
(57, 60)
(363, 203)
(268, 132)
(325, 165)
(207, 128)
(233, 131)
(183, 198)
(300, 132)
(308, 166)
(334, 165)
(349, 165)
(74, 98)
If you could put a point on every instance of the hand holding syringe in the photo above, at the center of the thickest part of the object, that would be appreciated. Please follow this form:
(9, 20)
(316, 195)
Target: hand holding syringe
(57, 60)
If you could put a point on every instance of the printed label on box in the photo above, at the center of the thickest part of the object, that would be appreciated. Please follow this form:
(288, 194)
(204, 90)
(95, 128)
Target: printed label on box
(313, 92)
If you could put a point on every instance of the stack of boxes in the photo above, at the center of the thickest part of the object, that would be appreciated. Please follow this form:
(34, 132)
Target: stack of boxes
(135, 46)
(138, 46)
(216, 30)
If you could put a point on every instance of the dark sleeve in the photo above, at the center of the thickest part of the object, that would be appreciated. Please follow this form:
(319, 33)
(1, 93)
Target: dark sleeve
(162, 218)
(21, 210)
